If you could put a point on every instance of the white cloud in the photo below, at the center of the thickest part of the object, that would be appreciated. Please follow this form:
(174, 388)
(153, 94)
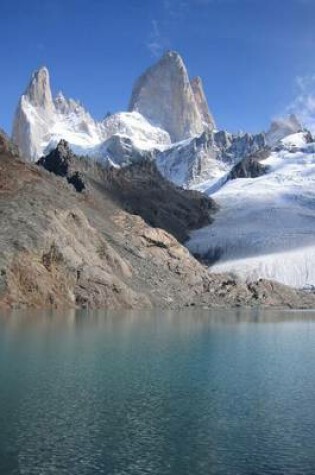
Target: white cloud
(155, 43)
(303, 105)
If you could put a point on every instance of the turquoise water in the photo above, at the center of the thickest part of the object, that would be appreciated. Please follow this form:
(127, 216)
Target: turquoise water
(157, 393)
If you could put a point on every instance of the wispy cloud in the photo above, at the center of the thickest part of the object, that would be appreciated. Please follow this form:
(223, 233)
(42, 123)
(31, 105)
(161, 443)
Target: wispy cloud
(173, 13)
(155, 44)
(303, 105)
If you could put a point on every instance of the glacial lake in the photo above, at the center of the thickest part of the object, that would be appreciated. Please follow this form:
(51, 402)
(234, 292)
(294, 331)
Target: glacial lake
(159, 393)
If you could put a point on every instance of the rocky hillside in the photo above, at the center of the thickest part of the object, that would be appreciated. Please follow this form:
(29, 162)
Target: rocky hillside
(62, 248)
(139, 189)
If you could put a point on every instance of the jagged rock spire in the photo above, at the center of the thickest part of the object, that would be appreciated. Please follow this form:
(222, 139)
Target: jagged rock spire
(202, 103)
(27, 131)
(38, 91)
(164, 96)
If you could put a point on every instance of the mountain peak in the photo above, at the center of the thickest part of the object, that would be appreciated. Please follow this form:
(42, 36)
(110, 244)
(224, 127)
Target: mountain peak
(172, 55)
(38, 91)
(164, 96)
(197, 80)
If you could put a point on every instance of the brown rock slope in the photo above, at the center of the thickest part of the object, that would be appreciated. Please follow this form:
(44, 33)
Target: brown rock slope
(62, 248)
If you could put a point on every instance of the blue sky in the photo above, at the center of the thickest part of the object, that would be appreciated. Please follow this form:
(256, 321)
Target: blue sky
(256, 57)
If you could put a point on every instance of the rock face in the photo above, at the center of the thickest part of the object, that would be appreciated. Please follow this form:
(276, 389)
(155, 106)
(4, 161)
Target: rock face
(121, 151)
(62, 162)
(250, 167)
(202, 103)
(58, 161)
(207, 158)
(38, 92)
(165, 96)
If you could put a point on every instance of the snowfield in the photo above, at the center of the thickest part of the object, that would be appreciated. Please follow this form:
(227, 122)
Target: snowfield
(265, 227)
(88, 137)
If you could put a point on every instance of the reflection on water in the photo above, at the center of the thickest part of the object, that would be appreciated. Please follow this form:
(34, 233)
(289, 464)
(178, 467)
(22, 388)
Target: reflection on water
(157, 393)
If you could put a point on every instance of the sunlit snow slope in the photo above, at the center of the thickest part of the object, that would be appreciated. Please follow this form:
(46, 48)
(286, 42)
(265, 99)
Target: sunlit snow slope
(41, 121)
(266, 226)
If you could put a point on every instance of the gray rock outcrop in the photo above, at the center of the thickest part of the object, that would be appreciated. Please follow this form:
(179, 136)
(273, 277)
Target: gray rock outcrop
(250, 167)
(62, 162)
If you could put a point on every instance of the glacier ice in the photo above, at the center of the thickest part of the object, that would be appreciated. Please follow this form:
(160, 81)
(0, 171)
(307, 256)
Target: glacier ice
(265, 227)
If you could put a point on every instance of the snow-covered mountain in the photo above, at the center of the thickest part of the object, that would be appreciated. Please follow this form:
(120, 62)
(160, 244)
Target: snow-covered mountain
(266, 226)
(41, 122)
(165, 107)
(164, 97)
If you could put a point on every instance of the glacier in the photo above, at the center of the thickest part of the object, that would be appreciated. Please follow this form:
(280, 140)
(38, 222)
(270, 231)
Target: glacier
(265, 227)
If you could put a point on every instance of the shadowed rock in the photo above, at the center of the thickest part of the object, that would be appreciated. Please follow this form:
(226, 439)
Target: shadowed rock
(250, 167)
(142, 190)
(139, 188)
(62, 162)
